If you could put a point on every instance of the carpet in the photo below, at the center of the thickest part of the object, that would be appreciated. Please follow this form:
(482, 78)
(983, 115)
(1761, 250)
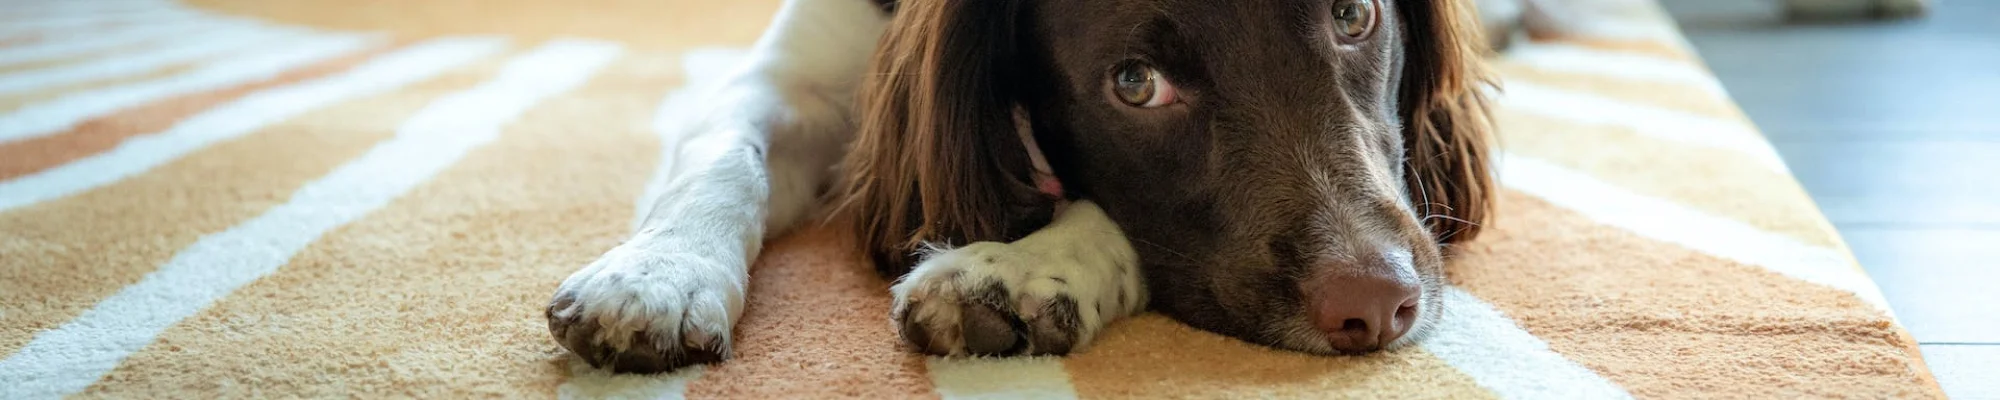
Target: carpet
(371, 198)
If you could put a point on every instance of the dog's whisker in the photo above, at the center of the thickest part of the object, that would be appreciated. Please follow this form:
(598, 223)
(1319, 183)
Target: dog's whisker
(1428, 218)
(1447, 236)
(1423, 191)
(1447, 207)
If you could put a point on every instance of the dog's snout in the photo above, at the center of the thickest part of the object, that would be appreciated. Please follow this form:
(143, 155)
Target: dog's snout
(1363, 312)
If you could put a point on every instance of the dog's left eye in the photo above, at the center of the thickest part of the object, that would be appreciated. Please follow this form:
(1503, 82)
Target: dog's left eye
(1353, 19)
(1140, 85)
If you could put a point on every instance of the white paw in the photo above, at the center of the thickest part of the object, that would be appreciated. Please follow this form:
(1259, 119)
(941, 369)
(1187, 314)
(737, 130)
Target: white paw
(647, 309)
(991, 298)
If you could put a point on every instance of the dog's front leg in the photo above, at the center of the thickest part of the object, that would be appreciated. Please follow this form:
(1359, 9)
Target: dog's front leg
(1048, 293)
(753, 151)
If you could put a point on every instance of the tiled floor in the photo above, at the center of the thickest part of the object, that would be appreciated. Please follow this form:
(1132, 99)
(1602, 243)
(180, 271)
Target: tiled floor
(1894, 127)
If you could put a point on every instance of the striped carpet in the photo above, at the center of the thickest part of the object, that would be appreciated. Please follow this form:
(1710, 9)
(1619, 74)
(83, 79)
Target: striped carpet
(319, 198)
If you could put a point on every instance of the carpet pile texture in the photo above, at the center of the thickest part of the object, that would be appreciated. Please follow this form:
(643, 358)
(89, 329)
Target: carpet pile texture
(319, 198)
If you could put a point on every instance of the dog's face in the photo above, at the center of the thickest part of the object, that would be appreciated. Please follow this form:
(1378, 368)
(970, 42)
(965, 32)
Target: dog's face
(1253, 152)
(1285, 168)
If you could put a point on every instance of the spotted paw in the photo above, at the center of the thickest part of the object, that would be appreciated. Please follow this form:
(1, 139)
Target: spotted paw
(644, 310)
(992, 298)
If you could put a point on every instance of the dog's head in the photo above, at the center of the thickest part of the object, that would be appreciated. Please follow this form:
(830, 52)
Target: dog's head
(1287, 169)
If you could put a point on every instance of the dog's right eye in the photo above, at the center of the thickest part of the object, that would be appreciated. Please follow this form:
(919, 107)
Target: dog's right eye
(1140, 85)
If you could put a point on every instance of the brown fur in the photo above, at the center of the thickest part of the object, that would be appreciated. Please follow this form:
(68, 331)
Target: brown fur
(1455, 129)
(937, 159)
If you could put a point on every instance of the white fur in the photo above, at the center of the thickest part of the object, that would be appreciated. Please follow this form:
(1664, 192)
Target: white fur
(1081, 255)
(752, 156)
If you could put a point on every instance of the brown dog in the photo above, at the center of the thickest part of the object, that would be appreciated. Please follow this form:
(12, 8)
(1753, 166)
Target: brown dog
(1281, 171)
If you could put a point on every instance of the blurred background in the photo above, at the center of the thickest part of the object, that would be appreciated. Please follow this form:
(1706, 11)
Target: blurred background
(1891, 121)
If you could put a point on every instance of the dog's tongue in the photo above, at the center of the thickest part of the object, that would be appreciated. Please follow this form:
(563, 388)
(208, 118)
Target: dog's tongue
(1047, 182)
(1044, 180)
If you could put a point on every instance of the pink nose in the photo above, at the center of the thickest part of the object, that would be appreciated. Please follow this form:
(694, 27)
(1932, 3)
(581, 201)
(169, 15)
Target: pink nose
(1363, 313)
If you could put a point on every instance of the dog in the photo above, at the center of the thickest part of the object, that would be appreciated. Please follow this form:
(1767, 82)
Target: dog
(1285, 172)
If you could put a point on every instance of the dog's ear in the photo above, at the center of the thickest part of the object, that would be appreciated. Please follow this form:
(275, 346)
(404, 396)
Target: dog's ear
(937, 159)
(1447, 130)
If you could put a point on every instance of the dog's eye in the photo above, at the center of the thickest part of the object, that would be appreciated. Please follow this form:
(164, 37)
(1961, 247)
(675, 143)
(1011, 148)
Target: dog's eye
(1353, 19)
(1139, 85)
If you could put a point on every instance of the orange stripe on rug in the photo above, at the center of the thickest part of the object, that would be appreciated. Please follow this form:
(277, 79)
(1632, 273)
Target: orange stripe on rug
(817, 322)
(1670, 95)
(1151, 355)
(1721, 182)
(1636, 46)
(66, 255)
(440, 293)
(652, 25)
(1666, 321)
(11, 102)
(99, 134)
(58, 62)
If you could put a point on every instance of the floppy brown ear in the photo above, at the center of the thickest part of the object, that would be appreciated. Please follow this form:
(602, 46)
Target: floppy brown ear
(1447, 128)
(936, 159)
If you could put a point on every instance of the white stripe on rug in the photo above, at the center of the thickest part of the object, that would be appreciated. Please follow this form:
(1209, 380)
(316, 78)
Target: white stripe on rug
(1617, 20)
(67, 359)
(1000, 378)
(93, 11)
(1569, 58)
(243, 116)
(699, 69)
(71, 19)
(1645, 120)
(62, 113)
(1497, 354)
(42, 8)
(100, 40)
(1667, 221)
(586, 382)
(58, 35)
(164, 54)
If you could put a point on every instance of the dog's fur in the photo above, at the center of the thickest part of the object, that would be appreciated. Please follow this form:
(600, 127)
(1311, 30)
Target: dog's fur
(1293, 159)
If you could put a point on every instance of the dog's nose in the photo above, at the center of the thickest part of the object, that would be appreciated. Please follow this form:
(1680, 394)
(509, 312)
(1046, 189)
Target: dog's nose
(1361, 313)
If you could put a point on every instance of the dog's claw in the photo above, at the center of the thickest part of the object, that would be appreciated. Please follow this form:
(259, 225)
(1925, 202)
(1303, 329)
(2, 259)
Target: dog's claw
(641, 354)
(684, 319)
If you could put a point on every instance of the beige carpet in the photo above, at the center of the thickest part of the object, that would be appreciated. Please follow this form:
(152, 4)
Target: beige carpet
(319, 198)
